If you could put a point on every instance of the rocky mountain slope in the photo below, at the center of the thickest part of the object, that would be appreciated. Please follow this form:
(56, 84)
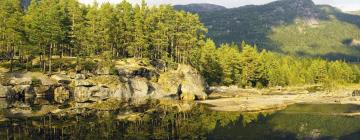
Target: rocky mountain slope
(296, 27)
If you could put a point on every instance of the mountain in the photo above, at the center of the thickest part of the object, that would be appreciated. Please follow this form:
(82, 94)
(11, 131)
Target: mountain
(355, 12)
(200, 7)
(296, 27)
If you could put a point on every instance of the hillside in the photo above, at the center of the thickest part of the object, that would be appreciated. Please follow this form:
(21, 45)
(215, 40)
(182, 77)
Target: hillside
(355, 12)
(200, 7)
(297, 27)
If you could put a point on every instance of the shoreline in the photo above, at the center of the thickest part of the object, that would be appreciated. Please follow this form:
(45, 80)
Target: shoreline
(254, 100)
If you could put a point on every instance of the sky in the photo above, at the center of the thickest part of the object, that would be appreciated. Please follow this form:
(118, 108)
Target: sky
(345, 5)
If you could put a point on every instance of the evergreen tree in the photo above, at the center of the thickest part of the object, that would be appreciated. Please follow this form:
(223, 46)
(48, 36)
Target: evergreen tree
(11, 28)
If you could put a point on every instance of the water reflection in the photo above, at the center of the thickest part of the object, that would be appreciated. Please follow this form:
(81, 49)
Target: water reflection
(295, 122)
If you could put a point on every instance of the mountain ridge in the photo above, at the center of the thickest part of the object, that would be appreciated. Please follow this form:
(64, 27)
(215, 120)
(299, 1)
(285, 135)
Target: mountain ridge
(200, 7)
(298, 27)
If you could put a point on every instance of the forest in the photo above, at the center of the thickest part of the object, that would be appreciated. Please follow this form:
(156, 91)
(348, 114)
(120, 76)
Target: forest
(51, 31)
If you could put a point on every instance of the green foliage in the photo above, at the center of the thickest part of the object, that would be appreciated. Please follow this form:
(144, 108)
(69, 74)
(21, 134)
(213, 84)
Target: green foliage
(87, 65)
(35, 81)
(69, 28)
(326, 39)
(228, 65)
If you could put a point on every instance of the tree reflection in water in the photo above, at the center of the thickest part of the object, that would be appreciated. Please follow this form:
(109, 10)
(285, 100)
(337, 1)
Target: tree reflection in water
(199, 123)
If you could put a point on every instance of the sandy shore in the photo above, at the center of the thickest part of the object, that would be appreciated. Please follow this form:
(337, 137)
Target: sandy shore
(248, 102)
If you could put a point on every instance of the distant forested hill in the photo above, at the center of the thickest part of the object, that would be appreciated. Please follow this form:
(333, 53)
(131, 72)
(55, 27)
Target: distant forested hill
(355, 12)
(297, 27)
(202, 7)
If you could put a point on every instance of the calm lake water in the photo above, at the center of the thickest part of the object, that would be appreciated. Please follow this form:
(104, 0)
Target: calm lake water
(296, 122)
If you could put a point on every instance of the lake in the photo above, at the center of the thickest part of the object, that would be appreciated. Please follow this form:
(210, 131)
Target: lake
(301, 121)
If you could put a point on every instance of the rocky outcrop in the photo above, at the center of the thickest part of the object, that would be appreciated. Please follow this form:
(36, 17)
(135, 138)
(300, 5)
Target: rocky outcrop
(61, 79)
(6, 91)
(139, 89)
(186, 82)
(356, 93)
(61, 94)
(82, 94)
(41, 90)
(134, 83)
(20, 81)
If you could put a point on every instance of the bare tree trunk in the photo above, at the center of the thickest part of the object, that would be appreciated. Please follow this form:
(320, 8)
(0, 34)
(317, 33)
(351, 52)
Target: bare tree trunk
(62, 51)
(44, 62)
(11, 60)
(50, 53)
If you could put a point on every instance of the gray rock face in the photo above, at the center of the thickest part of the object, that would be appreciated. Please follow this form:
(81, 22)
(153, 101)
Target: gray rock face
(41, 90)
(95, 93)
(82, 94)
(135, 83)
(61, 94)
(185, 82)
(84, 83)
(139, 89)
(6, 91)
(61, 79)
(122, 92)
(99, 93)
(192, 83)
(20, 81)
(79, 77)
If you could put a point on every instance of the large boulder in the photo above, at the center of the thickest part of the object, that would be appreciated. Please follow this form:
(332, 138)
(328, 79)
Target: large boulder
(82, 94)
(20, 81)
(122, 92)
(139, 89)
(6, 91)
(41, 90)
(185, 82)
(61, 94)
(79, 76)
(99, 93)
(61, 79)
(95, 93)
(84, 83)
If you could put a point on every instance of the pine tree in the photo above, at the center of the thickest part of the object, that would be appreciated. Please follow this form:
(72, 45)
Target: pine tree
(11, 28)
(93, 35)
(124, 28)
(250, 63)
